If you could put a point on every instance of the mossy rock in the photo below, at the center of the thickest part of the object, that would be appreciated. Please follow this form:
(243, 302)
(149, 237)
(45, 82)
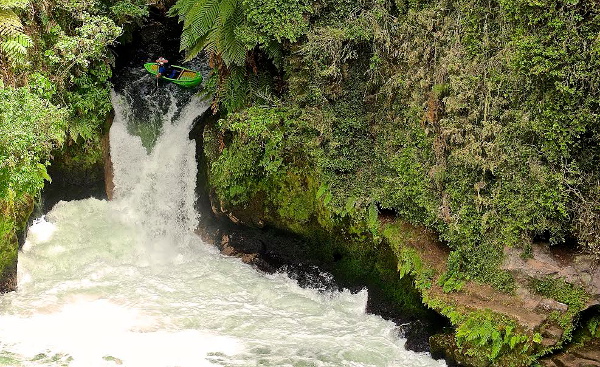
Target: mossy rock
(13, 218)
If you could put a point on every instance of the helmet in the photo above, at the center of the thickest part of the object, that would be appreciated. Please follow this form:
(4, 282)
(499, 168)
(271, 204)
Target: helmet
(161, 60)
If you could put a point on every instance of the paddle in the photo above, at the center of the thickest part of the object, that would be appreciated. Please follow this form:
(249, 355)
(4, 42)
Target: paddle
(155, 88)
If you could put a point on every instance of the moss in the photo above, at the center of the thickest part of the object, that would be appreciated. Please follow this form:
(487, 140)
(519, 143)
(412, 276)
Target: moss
(290, 194)
(375, 265)
(8, 247)
(483, 337)
(562, 291)
(574, 297)
(14, 215)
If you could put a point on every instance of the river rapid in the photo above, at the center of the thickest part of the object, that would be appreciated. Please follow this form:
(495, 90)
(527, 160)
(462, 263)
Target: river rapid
(127, 282)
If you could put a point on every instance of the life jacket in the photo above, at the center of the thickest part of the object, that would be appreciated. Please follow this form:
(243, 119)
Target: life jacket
(163, 69)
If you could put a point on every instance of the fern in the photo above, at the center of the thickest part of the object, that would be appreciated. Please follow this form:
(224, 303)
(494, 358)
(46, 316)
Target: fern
(82, 128)
(10, 24)
(13, 4)
(233, 50)
(259, 86)
(198, 22)
(274, 51)
(211, 25)
(15, 48)
(13, 42)
(234, 91)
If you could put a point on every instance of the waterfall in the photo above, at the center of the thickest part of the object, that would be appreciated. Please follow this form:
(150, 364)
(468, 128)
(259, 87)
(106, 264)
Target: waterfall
(127, 282)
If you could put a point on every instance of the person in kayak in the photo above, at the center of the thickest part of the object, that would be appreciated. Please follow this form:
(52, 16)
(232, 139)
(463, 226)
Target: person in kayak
(164, 69)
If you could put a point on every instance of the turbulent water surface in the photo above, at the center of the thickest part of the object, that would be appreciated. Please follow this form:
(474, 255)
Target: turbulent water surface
(128, 283)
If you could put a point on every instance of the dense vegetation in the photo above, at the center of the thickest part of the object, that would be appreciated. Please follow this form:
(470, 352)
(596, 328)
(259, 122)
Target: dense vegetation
(54, 93)
(475, 118)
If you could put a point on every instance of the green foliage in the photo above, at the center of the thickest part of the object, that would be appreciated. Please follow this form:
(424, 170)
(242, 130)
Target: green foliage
(259, 157)
(8, 247)
(488, 335)
(593, 326)
(14, 4)
(574, 297)
(279, 19)
(83, 48)
(409, 260)
(232, 32)
(475, 118)
(410, 263)
(451, 280)
(30, 128)
(211, 25)
(126, 11)
(10, 23)
(230, 28)
(13, 42)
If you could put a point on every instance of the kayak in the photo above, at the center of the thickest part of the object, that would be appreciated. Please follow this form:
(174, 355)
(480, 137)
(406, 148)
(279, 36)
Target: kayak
(185, 77)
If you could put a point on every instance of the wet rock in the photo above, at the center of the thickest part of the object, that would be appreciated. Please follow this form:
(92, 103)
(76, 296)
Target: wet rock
(443, 346)
(587, 355)
(418, 333)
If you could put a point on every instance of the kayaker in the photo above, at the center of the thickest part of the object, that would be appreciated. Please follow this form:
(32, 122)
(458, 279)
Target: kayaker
(163, 66)
(164, 69)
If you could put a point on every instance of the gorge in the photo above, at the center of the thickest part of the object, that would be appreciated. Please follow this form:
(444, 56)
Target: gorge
(441, 154)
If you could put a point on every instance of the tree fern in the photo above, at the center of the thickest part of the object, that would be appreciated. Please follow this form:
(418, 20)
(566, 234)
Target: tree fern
(223, 28)
(211, 25)
(16, 46)
(274, 51)
(199, 21)
(13, 42)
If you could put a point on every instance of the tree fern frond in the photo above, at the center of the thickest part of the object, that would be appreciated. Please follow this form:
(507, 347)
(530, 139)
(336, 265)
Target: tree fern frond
(13, 49)
(180, 8)
(227, 8)
(198, 21)
(23, 39)
(274, 51)
(260, 82)
(193, 51)
(211, 25)
(10, 24)
(201, 16)
(234, 92)
(210, 44)
(13, 4)
(233, 50)
(187, 40)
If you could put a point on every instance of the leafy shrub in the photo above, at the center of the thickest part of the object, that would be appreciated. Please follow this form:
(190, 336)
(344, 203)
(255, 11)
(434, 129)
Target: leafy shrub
(30, 128)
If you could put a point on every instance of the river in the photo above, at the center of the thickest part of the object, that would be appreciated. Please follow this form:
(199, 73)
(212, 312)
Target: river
(127, 282)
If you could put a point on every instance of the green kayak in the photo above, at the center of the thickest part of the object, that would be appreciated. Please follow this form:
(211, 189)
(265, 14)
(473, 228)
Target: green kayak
(185, 77)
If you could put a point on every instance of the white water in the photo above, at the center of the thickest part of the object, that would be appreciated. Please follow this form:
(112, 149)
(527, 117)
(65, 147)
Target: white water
(127, 283)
